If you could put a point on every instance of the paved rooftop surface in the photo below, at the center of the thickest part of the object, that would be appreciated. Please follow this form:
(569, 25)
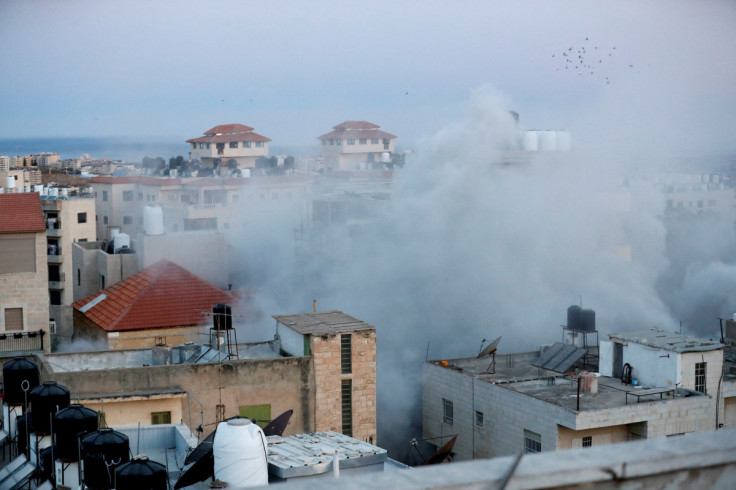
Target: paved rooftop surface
(322, 323)
(671, 341)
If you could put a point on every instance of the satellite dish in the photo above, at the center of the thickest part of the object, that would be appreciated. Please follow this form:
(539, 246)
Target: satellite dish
(490, 349)
(443, 454)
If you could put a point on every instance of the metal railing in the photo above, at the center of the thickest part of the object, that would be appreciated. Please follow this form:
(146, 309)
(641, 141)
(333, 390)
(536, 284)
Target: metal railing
(22, 341)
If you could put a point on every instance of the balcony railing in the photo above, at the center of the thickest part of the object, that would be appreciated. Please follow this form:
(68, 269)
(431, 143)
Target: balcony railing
(54, 254)
(21, 341)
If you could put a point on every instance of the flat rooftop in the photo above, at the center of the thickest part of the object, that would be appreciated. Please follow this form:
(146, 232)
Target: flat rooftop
(670, 341)
(515, 372)
(323, 323)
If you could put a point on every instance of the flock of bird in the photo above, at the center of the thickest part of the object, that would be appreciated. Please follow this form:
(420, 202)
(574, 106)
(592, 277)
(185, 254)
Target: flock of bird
(587, 59)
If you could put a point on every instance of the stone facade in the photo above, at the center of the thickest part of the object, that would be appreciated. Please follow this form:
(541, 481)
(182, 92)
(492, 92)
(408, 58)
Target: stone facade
(326, 354)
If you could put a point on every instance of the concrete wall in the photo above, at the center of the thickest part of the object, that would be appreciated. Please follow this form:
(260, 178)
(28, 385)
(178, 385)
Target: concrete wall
(284, 383)
(29, 290)
(327, 373)
(569, 439)
(131, 410)
(714, 369)
(291, 341)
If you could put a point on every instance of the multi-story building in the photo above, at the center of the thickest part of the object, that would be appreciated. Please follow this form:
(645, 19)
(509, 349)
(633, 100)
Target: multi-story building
(699, 194)
(23, 179)
(4, 163)
(68, 219)
(228, 143)
(46, 159)
(24, 285)
(651, 384)
(321, 365)
(226, 205)
(356, 145)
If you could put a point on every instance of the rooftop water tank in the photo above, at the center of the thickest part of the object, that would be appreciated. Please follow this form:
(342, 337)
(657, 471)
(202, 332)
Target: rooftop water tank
(547, 140)
(245, 172)
(15, 374)
(10, 183)
(239, 450)
(153, 220)
(222, 317)
(587, 321)
(563, 141)
(46, 400)
(64, 192)
(529, 141)
(141, 474)
(102, 452)
(573, 317)
(38, 188)
(26, 188)
(120, 241)
(385, 157)
(2, 190)
(70, 424)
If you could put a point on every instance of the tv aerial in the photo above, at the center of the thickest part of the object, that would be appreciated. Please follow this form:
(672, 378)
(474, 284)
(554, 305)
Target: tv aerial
(490, 351)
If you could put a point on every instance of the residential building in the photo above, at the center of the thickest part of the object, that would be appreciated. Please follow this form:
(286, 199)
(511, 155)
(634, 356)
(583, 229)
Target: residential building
(356, 145)
(23, 179)
(162, 304)
(698, 194)
(91, 262)
(321, 365)
(227, 143)
(669, 385)
(227, 205)
(68, 219)
(24, 284)
(4, 163)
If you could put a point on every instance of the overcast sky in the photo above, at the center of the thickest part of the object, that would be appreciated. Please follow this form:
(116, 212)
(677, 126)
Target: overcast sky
(172, 69)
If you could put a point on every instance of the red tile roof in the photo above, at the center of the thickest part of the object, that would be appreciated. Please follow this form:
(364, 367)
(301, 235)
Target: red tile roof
(356, 130)
(228, 129)
(163, 295)
(21, 213)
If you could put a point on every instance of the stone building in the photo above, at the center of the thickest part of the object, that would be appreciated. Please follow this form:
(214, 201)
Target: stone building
(162, 304)
(343, 358)
(229, 142)
(24, 284)
(355, 145)
(669, 385)
(321, 365)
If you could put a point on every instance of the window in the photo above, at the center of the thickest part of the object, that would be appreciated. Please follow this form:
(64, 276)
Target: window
(246, 144)
(324, 142)
(233, 144)
(18, 252)
(479, 419)
(346, 361)
(81, 217)
(140, 196)
(127, 195)
(104, 195)
(194, 146)
(374, 141)
(332, 142)
(338, 141)
(201, 146)
(79, 277)
(104, 219)
(55, 298)
(81, 240)
(208, 146)
(13, 319)
(363, 141)
(160, 418)
(102, 281)
(259, 144)
(447, 411)
(700, 369)
(260, 413)
(351, 141)
(127, 220)
(532, 442)
(588, 441)
(347, 407)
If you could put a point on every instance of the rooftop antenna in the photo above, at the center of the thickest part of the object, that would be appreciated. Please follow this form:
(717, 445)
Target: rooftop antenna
(490, 350)
(720, 320)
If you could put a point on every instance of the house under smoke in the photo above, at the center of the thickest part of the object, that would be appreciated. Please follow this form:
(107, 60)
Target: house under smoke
(356, 145)
(162, 304)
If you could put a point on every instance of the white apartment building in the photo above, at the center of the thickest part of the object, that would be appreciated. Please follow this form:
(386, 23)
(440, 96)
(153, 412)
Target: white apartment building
(229, 142)
(518, 406)
(355, 145)
(68, 219)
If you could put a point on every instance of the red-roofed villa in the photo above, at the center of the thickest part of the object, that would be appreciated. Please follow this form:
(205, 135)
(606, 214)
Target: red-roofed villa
(162, 304)
(355, 145)
(227, 142)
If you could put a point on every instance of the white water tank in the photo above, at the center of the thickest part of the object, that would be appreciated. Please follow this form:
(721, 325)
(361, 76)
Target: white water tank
(240, 454)
(385, 157)
(2, 190)
(38, 188)
(10, 184)
(529, 141)
(563, 140)
(120, 240)
(27, 188)
(64, 192)
(54, 191)
(245, 173)
(153, 220)
(547, 140)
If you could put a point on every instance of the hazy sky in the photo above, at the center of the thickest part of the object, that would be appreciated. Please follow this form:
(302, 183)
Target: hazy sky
(172, 69)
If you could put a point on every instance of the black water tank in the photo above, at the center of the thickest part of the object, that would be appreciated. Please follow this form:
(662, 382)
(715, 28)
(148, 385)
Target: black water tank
(222, 316)
(70, 424)
(46, 400)
(573, 317)
(24, 423)
(587, 320)
(103, 449)
(141, 474)
(15, 372)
